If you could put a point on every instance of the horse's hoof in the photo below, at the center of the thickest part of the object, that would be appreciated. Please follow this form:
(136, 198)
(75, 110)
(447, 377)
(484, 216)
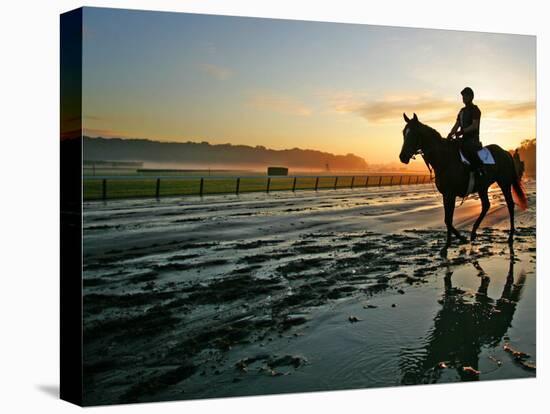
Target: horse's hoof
(473, 236)
(443, 252)
(463, 240)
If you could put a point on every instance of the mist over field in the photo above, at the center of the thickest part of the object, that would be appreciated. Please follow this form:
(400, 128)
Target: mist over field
(215, 156)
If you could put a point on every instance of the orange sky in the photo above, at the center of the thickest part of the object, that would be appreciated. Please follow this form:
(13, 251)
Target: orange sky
(283, 84)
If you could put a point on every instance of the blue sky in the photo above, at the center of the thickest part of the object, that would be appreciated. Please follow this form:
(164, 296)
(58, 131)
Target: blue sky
(284, 84)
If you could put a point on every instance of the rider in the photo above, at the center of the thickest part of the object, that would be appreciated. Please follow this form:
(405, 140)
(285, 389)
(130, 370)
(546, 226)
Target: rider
(468, 121)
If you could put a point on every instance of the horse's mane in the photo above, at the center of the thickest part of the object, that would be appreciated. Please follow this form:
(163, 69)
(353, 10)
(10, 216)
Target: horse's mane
(445, 145)
(432, 132)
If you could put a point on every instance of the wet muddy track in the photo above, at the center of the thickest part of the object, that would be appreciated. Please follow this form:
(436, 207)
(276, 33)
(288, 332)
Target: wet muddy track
(175, 291)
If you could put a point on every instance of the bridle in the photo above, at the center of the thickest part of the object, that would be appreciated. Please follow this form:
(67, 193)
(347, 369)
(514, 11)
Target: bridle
(424, 153)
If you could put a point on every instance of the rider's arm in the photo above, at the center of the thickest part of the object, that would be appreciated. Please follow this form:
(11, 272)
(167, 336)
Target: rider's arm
(455, 128)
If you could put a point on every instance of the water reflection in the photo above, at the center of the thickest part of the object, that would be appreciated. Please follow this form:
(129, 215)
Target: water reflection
(466, 322)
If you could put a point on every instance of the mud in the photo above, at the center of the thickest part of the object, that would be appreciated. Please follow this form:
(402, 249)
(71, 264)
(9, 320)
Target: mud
(336, 292)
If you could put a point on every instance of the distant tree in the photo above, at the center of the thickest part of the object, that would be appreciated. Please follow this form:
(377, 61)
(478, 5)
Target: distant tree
(116, 149)
(528, 154)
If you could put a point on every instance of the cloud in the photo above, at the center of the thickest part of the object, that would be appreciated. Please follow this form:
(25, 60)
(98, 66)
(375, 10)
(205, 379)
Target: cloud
(343, 102)
(427, 107)
(217, 72)
(507, 109)
(278, 103)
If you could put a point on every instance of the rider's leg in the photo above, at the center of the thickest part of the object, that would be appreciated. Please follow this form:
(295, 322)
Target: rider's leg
(470, 152)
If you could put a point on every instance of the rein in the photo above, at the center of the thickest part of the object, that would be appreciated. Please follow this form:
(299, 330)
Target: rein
(427, 165)
(424, 153)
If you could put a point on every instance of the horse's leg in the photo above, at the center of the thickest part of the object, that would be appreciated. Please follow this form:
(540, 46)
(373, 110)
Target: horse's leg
(453, 229)
(448, 282)
(485, 204)
(449, 212)
(449, 205)
(507, 191)
(485, 280)
(458, 235)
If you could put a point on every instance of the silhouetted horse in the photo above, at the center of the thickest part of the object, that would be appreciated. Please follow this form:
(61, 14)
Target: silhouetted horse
(452, 175)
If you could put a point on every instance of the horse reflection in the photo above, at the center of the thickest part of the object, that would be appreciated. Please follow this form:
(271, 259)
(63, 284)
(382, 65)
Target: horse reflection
(465, 324)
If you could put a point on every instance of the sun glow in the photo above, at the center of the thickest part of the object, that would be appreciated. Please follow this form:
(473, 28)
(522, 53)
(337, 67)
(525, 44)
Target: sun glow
(286, 84)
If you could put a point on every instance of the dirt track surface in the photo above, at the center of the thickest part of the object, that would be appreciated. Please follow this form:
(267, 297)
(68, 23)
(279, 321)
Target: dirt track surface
(190, 298)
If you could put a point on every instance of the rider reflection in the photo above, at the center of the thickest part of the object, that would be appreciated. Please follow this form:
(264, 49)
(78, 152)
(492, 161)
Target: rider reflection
(463, 326)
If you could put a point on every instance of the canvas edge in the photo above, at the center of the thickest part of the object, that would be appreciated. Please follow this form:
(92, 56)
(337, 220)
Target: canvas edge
(71, 363)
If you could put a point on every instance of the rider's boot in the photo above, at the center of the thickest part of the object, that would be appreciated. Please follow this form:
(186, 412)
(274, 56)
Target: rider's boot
(480, 171)
(479, 168)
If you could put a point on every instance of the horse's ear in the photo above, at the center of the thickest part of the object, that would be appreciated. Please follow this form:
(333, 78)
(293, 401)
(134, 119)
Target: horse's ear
(415, 118)
(407, 120)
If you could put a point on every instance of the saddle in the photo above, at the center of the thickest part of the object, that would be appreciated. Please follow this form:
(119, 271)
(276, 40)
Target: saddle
(484, 155)
(486, 158)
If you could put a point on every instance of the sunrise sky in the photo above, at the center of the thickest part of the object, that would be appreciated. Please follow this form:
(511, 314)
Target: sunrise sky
(333, 87)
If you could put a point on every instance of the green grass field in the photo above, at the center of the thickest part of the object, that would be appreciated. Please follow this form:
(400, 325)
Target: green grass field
(117, 188)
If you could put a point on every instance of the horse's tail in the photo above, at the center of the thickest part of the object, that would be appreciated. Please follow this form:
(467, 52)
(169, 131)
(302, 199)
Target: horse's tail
(518, 193)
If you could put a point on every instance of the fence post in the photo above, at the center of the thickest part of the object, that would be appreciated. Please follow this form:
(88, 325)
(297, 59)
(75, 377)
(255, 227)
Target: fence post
(409, 181)
(391, 180)
(157, 190)
(316, 183)
(238, 184)
(380, 181)
(352, 180)
(367, 182)
(335, 182)
(104, 189)
(294, 185)
(202, 186)
(268, 183)
(400, 180)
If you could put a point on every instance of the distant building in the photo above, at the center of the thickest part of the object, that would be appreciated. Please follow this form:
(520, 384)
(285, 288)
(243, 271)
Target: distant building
(277, 171)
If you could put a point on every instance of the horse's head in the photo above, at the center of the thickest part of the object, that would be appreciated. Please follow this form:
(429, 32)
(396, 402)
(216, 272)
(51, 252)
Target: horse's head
(411, 139)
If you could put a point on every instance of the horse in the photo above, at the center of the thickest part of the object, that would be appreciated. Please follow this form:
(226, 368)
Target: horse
(452, 175)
